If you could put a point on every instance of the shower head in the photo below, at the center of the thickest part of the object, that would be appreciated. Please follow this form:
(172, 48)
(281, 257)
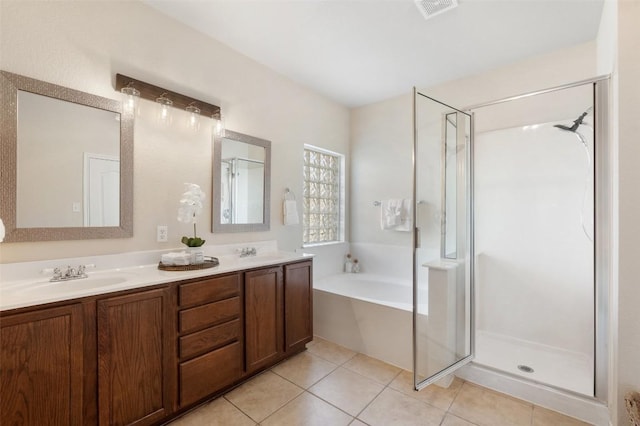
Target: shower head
(576, 123)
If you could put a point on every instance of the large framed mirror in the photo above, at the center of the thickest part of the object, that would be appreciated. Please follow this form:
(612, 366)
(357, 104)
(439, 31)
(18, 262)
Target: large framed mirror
(241, 183)
(66, 161)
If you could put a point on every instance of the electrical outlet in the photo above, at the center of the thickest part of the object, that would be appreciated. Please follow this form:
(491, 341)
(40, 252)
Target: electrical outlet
(162, 234)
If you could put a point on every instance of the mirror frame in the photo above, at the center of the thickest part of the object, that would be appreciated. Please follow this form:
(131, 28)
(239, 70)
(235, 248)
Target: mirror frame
(9, 85)
(216, 225)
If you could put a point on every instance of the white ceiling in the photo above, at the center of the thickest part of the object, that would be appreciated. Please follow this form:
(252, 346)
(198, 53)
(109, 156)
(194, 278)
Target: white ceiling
(358, 52)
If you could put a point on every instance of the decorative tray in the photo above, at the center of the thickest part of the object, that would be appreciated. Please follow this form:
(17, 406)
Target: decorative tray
(209, 262)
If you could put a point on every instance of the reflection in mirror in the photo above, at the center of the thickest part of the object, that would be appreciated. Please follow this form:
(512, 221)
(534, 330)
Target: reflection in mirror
(67, 163)
(241, 182)
(456, 131)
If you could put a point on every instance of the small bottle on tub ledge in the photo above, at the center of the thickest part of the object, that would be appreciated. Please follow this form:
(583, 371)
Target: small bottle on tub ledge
(348, 265)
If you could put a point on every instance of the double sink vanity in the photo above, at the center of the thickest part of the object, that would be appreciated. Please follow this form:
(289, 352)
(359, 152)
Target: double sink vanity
(130, 344)
(137, 345)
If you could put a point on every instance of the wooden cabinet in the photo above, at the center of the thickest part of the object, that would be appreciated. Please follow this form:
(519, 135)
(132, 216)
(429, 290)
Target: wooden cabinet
(298, 305)
(264, 330)
(210, 343)
(142, 356)
(135, 358)
(42, 367)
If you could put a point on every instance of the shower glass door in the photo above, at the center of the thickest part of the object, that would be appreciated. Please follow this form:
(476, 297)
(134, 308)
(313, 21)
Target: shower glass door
(443, 316)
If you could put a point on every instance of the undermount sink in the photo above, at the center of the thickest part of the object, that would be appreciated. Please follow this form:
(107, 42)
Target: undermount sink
(76, 284)
(263, 258)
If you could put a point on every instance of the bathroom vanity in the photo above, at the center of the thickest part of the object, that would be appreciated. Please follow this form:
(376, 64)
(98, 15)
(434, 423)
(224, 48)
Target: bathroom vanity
(142, 356)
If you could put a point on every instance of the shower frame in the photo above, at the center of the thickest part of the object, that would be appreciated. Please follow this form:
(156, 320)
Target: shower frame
(602, 222)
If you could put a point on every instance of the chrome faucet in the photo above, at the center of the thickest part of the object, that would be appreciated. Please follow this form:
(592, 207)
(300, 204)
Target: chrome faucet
(248, 251)
(70, 273)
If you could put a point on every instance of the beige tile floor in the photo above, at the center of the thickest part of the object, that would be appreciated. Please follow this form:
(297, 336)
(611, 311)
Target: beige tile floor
(329, 385)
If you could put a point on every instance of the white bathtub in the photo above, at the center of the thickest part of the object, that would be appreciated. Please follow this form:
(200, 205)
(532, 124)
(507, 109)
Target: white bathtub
(388, 291)
(368, 313)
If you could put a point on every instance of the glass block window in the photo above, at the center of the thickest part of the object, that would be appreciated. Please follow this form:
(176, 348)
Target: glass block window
(323, 198)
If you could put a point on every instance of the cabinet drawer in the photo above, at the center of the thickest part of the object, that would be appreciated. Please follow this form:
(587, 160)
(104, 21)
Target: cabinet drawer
(209, 373)
(209, 314)
(209, 338)
(209, 290)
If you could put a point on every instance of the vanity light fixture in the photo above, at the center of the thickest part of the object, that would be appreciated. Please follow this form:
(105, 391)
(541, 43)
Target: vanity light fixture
(130, 97)
(164, 113)
(161, 95)
(193, 120)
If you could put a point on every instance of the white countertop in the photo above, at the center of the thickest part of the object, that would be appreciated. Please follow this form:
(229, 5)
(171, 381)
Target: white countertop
(35, 290)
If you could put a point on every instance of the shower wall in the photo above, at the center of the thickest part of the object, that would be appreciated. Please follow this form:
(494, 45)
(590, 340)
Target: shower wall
(534, 260)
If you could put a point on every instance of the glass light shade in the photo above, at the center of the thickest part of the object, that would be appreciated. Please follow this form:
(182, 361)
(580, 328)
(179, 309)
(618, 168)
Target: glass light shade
(130, 98)
(218, 126)
(164, 113)
(193, 119)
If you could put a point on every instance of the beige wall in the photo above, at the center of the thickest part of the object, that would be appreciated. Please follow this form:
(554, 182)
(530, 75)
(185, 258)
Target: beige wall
(618, 47)
(627, 98)
(382, 134)
(381, 166)
(83, 44)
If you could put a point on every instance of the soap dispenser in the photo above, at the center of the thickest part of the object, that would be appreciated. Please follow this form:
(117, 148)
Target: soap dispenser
(348, 265)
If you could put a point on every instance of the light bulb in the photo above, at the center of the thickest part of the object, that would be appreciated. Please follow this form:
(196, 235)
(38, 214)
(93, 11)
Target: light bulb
(130, 97)
(164, 114)
(193, 120)
(218, 126)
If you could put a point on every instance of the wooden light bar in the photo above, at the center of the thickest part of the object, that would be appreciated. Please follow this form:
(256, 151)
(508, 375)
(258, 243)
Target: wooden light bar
(151, 92)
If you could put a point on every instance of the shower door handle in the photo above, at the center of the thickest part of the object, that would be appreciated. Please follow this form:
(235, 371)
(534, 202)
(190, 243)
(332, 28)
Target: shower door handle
(416, 237)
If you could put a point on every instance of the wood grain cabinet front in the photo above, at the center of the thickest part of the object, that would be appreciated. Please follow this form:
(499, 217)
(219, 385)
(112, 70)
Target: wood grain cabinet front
(298, 305)
(210, 343)
(41, 354)
(203, 376)
(264, 331)
(135, 358)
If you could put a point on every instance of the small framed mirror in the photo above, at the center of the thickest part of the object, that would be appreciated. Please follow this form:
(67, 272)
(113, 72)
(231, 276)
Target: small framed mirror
(67, 163)
(241, 183)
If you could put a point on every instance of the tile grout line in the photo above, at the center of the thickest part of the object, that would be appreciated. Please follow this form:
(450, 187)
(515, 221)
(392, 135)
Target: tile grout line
(239, 409)
(306, 390)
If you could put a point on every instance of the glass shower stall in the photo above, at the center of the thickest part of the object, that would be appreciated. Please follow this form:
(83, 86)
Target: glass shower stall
(512, 230)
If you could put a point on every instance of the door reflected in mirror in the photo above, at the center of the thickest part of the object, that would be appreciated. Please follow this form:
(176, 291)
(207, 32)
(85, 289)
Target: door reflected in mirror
(242, 178)
(68, 159)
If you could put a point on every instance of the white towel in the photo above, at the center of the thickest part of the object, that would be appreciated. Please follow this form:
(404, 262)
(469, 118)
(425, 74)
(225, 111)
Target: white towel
(390, 213)
(395, 215)
(406, 218)
(290, 210)
(176, 258)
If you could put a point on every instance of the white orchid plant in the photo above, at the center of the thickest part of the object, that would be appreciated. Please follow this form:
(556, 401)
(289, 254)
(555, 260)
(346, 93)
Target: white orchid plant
(190, 208)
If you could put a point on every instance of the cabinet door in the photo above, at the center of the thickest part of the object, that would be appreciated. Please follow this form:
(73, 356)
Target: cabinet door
(298, 305)
(42, 366)
(134, 358)
(264, 328)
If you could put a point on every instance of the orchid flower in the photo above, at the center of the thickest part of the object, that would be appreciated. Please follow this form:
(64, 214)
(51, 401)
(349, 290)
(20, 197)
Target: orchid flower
(190, 207)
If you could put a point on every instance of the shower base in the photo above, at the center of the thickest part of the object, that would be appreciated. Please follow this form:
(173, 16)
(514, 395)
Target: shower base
(552, 366)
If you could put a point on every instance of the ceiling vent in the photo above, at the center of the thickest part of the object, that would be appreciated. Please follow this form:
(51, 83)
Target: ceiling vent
(431, 8)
